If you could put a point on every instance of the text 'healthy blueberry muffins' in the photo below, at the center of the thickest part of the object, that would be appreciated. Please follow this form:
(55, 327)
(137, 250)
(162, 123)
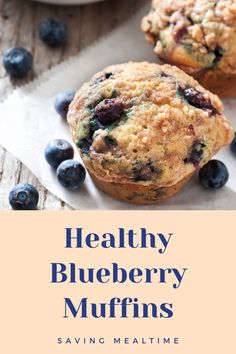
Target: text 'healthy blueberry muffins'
(199, 36)
(144, 129)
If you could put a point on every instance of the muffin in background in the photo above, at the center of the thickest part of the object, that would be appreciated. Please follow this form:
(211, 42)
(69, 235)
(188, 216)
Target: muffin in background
(199, 36)
(144, 129)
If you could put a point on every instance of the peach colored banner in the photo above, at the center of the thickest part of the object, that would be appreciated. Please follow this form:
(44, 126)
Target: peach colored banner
(190, 266)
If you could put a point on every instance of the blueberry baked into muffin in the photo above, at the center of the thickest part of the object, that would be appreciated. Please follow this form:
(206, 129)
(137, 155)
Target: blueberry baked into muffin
(144, 129)
(199, 37)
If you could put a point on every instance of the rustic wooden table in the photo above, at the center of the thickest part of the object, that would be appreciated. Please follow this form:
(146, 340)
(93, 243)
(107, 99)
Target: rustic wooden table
(18, 27)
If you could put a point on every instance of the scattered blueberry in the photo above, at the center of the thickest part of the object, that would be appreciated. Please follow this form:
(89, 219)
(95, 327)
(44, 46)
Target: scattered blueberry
(63, 101)
(58, 151)
(17, 62)
(233, 145)
(109, 110)
(53, 32)
(24, 197)
(214, 175)
(197, 99)
(71, 174)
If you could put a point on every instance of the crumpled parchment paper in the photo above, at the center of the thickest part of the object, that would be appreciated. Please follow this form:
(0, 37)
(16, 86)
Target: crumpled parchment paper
(28, 122)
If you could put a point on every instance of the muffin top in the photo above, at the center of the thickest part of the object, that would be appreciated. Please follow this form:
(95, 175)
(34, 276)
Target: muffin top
(194, 34)
(146, 123)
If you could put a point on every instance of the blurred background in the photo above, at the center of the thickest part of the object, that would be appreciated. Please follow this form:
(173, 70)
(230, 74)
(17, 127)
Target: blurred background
(19, 21)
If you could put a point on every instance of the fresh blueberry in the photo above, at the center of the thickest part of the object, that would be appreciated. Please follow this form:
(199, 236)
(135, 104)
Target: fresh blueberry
(24, 197)
(214, 175)
(17, 62)
(58, 151)
(71, 174)
(62, 102)
(233, 145)
(53, 32)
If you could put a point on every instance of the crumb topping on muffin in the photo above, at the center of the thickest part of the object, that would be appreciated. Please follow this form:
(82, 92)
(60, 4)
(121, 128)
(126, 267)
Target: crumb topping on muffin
(194, 34)
(143, 123)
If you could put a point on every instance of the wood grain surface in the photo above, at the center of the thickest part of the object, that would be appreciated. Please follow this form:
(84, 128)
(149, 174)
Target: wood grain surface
(18, 27)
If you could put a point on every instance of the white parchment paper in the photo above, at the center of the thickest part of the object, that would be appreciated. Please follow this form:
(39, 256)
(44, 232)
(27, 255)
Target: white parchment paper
(28, 122)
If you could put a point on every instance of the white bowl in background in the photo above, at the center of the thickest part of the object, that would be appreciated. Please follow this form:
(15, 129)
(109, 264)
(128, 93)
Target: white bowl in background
(68, 2)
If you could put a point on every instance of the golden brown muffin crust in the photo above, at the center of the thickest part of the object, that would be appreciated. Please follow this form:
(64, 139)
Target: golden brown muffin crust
(146, 124)
(194, 34)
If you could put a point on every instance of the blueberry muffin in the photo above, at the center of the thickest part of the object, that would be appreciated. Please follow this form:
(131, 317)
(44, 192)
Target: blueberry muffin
(199, 37)
(144, 129)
